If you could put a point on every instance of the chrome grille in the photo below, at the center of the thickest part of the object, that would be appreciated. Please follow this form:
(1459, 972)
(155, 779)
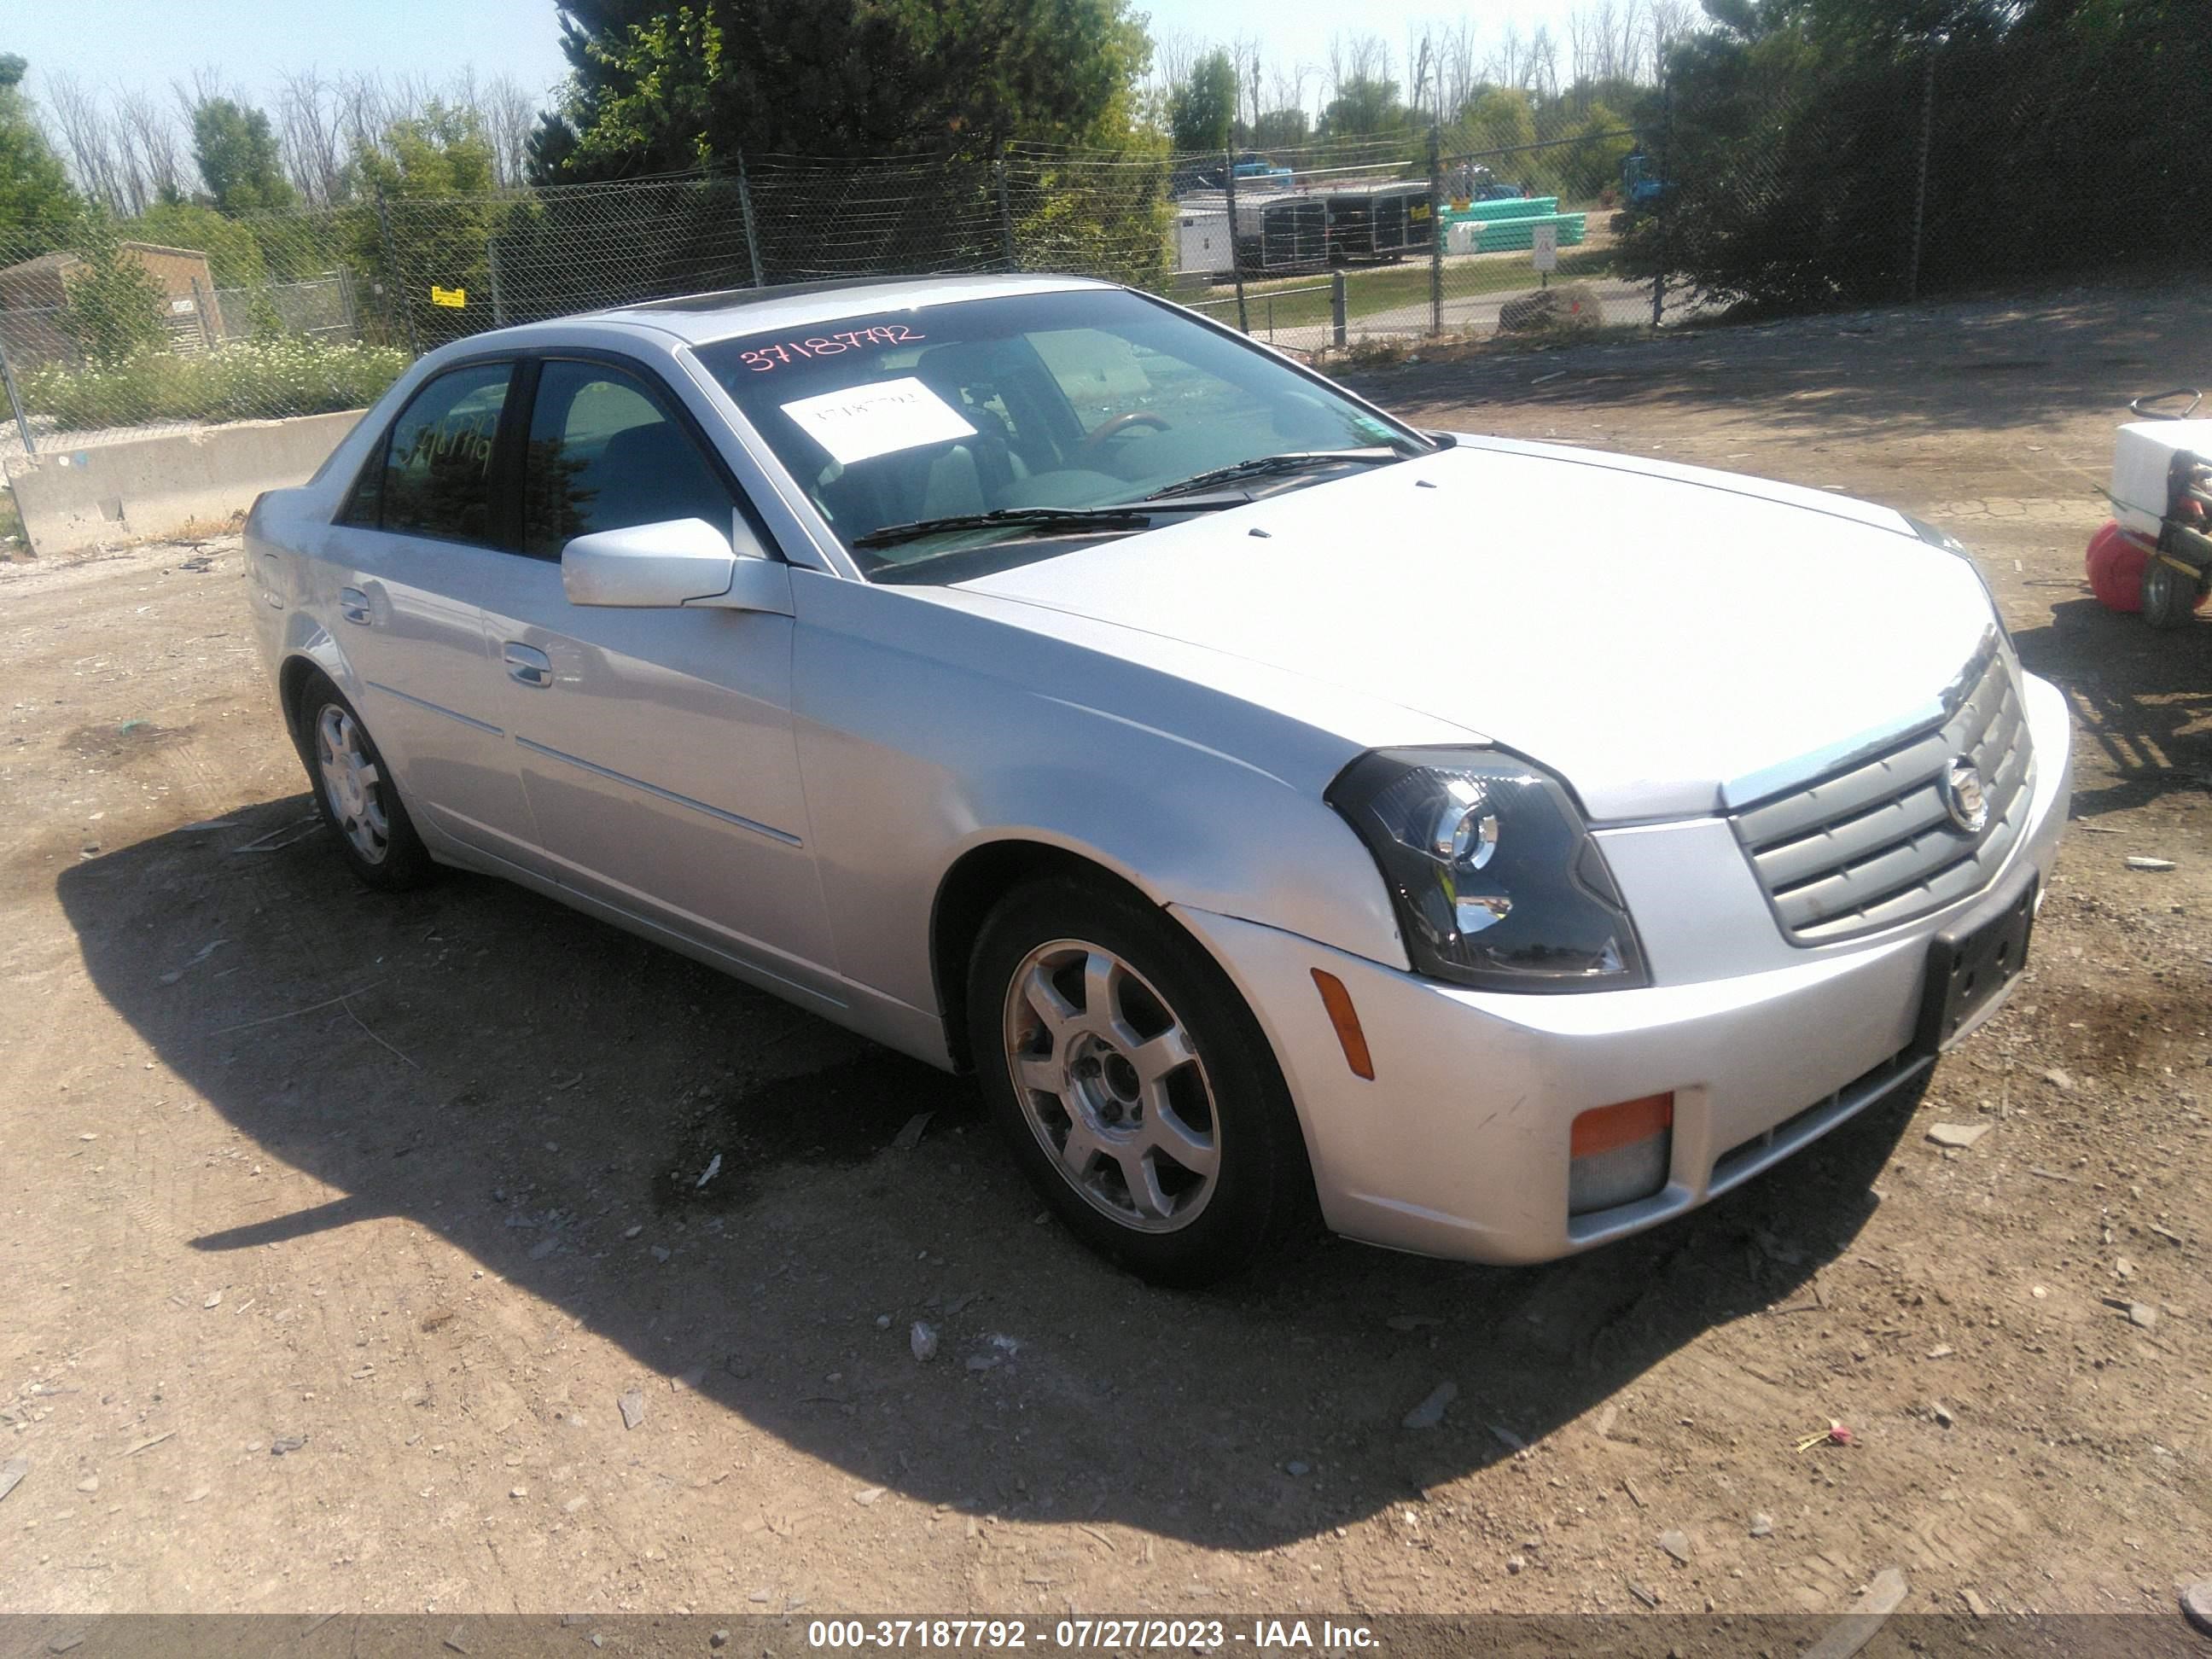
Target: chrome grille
(1872, 844)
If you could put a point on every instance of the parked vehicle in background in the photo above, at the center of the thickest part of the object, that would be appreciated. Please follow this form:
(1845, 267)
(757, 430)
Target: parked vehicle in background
(1490, 848)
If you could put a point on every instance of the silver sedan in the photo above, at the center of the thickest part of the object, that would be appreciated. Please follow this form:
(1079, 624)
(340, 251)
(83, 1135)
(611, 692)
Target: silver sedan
(1478, 847)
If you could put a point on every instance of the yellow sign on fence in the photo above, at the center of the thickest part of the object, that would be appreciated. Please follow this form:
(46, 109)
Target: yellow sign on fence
(455, 297)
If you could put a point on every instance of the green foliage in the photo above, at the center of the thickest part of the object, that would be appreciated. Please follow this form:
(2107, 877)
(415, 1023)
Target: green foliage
(251, 381)
(1108, 222)
(234, 256)
(238, 157)
(1364, 105)
(111, 305)
(37, 205)
(1282, 129)
(1593, 165)
(1202, 110)
(1496, 118)
(660, 87)
(435, 177)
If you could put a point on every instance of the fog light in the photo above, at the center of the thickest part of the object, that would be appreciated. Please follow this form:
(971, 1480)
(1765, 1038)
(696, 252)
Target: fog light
(1619, 1153)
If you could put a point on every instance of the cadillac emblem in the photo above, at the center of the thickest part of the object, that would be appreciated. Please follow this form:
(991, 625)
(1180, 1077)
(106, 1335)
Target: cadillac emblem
(1962, 790)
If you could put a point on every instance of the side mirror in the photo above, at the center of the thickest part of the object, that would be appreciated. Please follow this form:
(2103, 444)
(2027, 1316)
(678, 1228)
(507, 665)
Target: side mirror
(679, 562)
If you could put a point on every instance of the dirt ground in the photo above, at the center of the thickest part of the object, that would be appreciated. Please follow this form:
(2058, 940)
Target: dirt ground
(336, 1227)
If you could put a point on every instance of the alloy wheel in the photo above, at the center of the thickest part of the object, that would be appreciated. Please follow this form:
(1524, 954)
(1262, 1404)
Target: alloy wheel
(1113, 1086)
(352, 783)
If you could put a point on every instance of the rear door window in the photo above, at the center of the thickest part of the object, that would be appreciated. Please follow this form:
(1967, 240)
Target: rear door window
(436, 479)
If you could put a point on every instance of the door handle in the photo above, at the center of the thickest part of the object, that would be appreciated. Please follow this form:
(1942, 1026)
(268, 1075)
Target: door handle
(353, 605)
(528, 666)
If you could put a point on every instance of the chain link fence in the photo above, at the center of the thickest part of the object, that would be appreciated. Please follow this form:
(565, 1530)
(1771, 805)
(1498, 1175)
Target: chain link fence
(1782, 187)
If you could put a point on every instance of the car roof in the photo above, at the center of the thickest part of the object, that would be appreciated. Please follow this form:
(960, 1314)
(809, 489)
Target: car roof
(699, 317)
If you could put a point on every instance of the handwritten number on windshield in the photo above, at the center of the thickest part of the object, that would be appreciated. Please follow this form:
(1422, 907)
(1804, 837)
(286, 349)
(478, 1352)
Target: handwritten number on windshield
(770, 357)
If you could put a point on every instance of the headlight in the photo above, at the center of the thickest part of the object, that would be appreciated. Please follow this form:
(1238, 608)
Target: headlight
(1497, 882)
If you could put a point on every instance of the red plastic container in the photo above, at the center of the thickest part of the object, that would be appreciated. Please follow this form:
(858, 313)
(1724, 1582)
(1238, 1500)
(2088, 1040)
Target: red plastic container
(2116, 567)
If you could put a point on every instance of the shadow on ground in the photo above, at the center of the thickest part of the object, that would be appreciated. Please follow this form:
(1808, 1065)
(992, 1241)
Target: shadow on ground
(1992, 367)
(2141, 694)
(533, 1086)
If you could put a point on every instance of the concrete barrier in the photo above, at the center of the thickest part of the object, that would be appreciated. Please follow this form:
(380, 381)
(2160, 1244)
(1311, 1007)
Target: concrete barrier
(176, 484)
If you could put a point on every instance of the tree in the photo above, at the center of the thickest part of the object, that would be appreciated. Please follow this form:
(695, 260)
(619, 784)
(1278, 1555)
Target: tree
(433, 178)
(112, 306)
(1364, 105)
(37, 205)
(238, 156)
(1498, 118)
(658, 87)
(1281, 129)
(1202, 110)
(1594, 163)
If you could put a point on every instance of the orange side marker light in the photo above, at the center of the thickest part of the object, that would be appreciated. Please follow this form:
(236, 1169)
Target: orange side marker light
(1345, 1018)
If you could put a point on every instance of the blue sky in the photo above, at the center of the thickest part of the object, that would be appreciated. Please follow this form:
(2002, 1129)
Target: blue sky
(147, 43)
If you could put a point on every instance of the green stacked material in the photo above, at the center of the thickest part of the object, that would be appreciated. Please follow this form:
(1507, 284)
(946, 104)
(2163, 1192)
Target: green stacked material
(1509, 207)
(1504, 235)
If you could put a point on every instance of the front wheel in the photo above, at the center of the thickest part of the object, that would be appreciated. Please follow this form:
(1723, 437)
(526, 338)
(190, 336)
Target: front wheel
(1137, 1092)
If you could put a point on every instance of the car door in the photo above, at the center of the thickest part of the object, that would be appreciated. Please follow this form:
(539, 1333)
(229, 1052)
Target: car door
(655, 746)
(417, 548)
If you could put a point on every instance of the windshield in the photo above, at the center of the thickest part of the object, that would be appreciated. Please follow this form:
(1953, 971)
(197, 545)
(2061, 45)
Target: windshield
(1080, 400)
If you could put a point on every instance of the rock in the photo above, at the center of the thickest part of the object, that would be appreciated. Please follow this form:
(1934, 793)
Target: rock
(1296, 1467)
(518, 1491)
(2142, 1314)
(632, 1232)
(661, 1253)
(1643, 1592)
(90, 1483)
(1961, 1135)
(922, 1338)
(720, 1639)
(1975, 1605)
(1941, 1351)
(1676, 1544)
(984, 1361)
(882, 1322)
(632, 1406)
(1942, 1413)
(867, 1495)
(544, 1247)
(1507, 1438)
(574, 1503)
(910, 1133)
(1514, 1563)
(2059, 1079)
(286, 1442)
(1762, 1526)
(757, 1596)
(215, 1301)
(713, 1169)
(1430, 1412)
(2196, 1605)
(2152, 864)
(688, 1381)
(1563, 306)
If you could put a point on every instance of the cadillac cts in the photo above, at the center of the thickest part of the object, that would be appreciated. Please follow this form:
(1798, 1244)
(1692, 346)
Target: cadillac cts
(1493, 847)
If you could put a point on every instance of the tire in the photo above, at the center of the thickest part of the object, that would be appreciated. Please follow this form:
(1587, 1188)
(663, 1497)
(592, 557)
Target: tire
(355, 792)
(1186, 1162)
(2169, 598)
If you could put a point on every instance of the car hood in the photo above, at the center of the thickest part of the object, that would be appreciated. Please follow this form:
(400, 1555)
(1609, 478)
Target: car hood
(1670, 640)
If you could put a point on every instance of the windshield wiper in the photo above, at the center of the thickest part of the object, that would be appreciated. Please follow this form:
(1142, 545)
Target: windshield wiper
(1261, 466)
(1043, 518)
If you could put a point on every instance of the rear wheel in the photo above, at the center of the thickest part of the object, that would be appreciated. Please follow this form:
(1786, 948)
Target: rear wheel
(2169, 596)
(355, 792)
(1137, 1092)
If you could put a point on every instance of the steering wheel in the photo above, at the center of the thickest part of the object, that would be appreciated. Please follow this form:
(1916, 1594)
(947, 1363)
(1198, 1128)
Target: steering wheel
(1107, 430)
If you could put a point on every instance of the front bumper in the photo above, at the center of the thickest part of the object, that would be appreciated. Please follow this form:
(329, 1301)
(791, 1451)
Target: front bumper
(1459, 1145)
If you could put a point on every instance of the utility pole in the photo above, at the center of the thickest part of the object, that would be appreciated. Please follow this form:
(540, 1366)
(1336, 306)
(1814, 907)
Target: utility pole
(1436, 233)
(1235, 259)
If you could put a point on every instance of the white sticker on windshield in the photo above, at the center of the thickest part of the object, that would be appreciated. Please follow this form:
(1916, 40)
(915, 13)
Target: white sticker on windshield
(867, 421)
